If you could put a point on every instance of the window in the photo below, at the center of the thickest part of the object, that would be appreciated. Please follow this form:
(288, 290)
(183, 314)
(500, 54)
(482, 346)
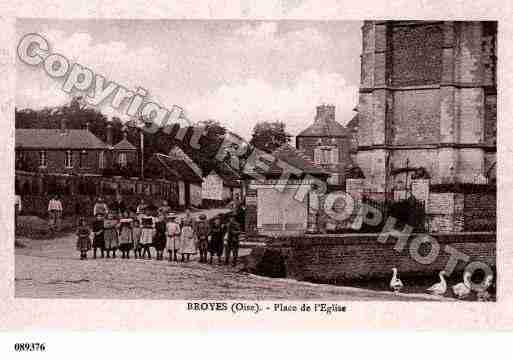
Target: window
(19, 156)
(42, 158)
(326, 155)
(101, 160)
(68, 161)
(82, 161)
(122, 159)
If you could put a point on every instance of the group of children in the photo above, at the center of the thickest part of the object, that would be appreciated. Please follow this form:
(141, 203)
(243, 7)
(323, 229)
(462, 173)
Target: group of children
(140, 232)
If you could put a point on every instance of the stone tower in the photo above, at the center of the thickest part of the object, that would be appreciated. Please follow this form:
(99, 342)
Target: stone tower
(427, 102)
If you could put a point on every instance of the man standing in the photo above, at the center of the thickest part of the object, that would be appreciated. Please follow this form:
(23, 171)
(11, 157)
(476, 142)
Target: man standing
(55, 213)
(232, 242)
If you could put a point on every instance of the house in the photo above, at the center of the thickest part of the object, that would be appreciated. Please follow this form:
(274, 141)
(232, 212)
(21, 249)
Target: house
(221, 185)
(65, 151)
(278, 206)
(160, 167)
(190, 184)
(123, 152)
(327, 143)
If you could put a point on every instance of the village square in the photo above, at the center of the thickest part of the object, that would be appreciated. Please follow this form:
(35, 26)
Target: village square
(392, 197)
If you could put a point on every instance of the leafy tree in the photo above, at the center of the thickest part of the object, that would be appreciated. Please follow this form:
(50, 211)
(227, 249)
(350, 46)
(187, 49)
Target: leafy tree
(268, 136)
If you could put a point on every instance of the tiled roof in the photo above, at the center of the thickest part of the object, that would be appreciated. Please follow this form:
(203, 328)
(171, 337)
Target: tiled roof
(229, 177)
(57, 139)
(124, 145)
(181, 167)
(353, 124)
(298, 159)
(324, 126)
(289, 155)
(177, 153)
(164, 161)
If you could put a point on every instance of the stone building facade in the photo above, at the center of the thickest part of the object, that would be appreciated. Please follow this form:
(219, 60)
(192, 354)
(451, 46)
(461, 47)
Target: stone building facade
(427, 103)
(327, 143)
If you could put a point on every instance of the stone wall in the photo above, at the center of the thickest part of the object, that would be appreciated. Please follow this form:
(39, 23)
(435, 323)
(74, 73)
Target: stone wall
(428, 90)
(456, 212)
(336, 258)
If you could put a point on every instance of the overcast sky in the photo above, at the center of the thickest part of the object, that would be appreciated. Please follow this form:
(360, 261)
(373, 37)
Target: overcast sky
(236, 72)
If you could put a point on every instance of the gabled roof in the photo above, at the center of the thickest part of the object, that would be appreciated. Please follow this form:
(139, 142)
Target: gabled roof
(322, 127)
(163, 160)
(32, 138)
(229, 177)
(291, 156)
(124, 145)
(177, 153)
(298, 160)
(353, 124)
(184, 171)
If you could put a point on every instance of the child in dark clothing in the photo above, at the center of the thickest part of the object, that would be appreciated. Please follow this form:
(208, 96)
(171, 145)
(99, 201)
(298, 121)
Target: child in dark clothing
(136, 233)
(160, 236)
(83, 240)
(98, 240)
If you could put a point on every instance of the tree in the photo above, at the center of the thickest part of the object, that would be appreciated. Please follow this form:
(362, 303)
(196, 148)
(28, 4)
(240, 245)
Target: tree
(268, 136)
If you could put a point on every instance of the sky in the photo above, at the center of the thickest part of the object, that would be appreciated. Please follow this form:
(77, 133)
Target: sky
(236, 72)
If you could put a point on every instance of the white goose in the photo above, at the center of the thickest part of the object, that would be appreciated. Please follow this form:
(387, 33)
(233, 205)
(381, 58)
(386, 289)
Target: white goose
(462, 290)
(439, 288)
(484, 295)
(396, 284)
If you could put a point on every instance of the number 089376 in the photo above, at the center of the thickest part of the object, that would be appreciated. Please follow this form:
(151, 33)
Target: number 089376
(30, 347)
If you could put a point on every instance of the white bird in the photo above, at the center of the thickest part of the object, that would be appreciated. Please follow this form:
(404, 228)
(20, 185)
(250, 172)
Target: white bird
(439, 288)
(462, 290)
(484, 295)
(396, 284)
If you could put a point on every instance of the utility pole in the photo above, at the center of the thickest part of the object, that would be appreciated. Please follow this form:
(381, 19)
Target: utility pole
(141, 134)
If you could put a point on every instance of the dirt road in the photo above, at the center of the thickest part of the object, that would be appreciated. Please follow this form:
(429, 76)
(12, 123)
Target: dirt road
(52, 269)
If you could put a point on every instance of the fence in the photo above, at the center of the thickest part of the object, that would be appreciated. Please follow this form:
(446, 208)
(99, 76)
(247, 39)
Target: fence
(78, 193)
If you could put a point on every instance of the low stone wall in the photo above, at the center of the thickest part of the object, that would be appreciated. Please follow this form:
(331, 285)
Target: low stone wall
(337, 258)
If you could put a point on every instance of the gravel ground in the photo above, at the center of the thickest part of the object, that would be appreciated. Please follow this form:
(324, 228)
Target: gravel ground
(52, 269)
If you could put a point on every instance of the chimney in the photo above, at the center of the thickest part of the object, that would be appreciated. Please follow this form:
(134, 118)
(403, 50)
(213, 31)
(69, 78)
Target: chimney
(124, 132)
(63, 126)
(109, 134)
(325, 112)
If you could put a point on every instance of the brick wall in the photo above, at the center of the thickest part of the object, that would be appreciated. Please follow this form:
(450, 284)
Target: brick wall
(55, 161)
(332, 258)
(308, 145)
(480, 211)
(444, 212)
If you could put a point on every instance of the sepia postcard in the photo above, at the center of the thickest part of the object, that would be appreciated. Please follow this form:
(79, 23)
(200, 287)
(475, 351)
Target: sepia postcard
(307, 168)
